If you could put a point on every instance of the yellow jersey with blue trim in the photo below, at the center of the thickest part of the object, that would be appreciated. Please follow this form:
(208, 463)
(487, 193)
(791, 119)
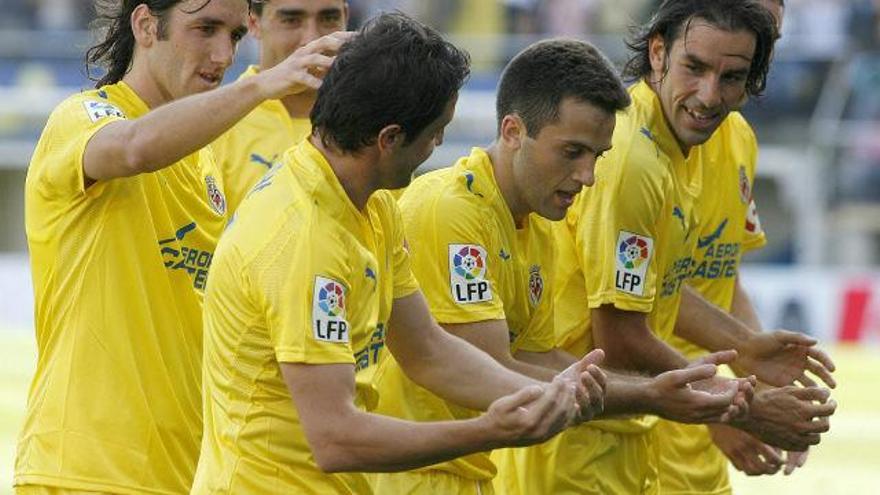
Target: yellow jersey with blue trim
(119, 270)
(628, 240)
(729, 221)
(729, 225)
(473, 264)
(248, 150)
(300, 276)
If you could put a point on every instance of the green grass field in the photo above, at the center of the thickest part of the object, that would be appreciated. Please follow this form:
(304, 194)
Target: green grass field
(846, 463)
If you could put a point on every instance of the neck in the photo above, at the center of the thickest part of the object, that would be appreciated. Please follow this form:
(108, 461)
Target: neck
(354, 171)
(502, 167)
(299, 106)
(145, 86)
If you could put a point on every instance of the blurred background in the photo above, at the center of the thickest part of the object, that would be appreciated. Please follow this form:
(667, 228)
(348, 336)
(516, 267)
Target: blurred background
(817, 188)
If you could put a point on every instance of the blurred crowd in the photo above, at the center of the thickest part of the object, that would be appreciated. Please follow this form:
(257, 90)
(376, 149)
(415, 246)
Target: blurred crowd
(826, 25)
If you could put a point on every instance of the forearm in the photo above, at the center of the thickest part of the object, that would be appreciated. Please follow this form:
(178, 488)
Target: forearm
(461, 373)
(555, 359)
(648, 355)
(376, 443)
(707, 325)
(178, 129)
(743, 309)
(627, 394)
(629, 343)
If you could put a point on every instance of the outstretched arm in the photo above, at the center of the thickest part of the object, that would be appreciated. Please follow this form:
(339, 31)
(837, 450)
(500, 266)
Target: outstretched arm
(344, 438)
(175, 130)
(443, 363)
(777, 358)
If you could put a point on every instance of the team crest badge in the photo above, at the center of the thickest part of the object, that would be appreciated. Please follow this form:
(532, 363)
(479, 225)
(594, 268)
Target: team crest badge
(467, 274)
(745, 188)
(328, 311)
(536, 285)
(215, 195)
(633, 254)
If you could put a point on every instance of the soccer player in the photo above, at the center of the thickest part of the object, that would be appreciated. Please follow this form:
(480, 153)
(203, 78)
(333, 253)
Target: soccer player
(482, 250)
(255, 143)
(312, 280)
(627, 243)
(123, 209)
(729, 226)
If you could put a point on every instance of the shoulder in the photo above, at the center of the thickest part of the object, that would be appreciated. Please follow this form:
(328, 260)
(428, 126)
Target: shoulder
(452, 194)
(85, 109)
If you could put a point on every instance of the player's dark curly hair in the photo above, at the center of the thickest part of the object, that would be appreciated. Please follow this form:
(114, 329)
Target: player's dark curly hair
(536, 81)
(673, 19)
(113, 23)
(394, 71)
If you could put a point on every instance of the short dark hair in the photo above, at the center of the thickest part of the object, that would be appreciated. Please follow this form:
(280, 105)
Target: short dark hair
(394, 71)
(536, 81)
(673, 18)
(113, 21)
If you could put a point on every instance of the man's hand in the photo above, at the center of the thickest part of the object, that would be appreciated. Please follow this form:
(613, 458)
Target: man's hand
(794, 460)
(745, 452)
(303, 69)
(672, 396)
(744, 387)
(791, 418)
(533, 414)
(591, 382)
(781, 357)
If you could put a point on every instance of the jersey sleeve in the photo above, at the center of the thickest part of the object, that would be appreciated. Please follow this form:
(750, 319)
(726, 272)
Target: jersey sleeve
(616, 228)
(754, 237)
(57, 163)
(452, 258)
(405, 282)
(304, 289)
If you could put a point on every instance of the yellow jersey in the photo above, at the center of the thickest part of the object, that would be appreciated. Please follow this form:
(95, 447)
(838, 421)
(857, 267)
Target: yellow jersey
(119, 270)
(729, 222)
(473, 264)
(249, 149)
(729, 226)
(300, 276)
(629, 239)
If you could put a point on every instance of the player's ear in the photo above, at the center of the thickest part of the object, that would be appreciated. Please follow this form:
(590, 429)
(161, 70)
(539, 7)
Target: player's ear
(513, 130)
(345, 15)
(390, 136)
(253, 24)
(657, 54)
(144, 25)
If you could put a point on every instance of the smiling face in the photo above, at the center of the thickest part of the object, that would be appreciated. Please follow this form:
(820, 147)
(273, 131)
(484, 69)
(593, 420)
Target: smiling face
(195, 46)
(551, 168)
(700, 78)
(285, 25)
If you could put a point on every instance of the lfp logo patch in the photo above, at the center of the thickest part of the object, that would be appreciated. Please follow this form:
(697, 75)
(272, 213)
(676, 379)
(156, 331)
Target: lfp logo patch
(98, 110)
(328, 311)
(467, 273)
(633, 256)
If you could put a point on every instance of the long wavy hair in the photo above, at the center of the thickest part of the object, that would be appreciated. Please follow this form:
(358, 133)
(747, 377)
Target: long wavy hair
(673, 18)
(112, 25)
